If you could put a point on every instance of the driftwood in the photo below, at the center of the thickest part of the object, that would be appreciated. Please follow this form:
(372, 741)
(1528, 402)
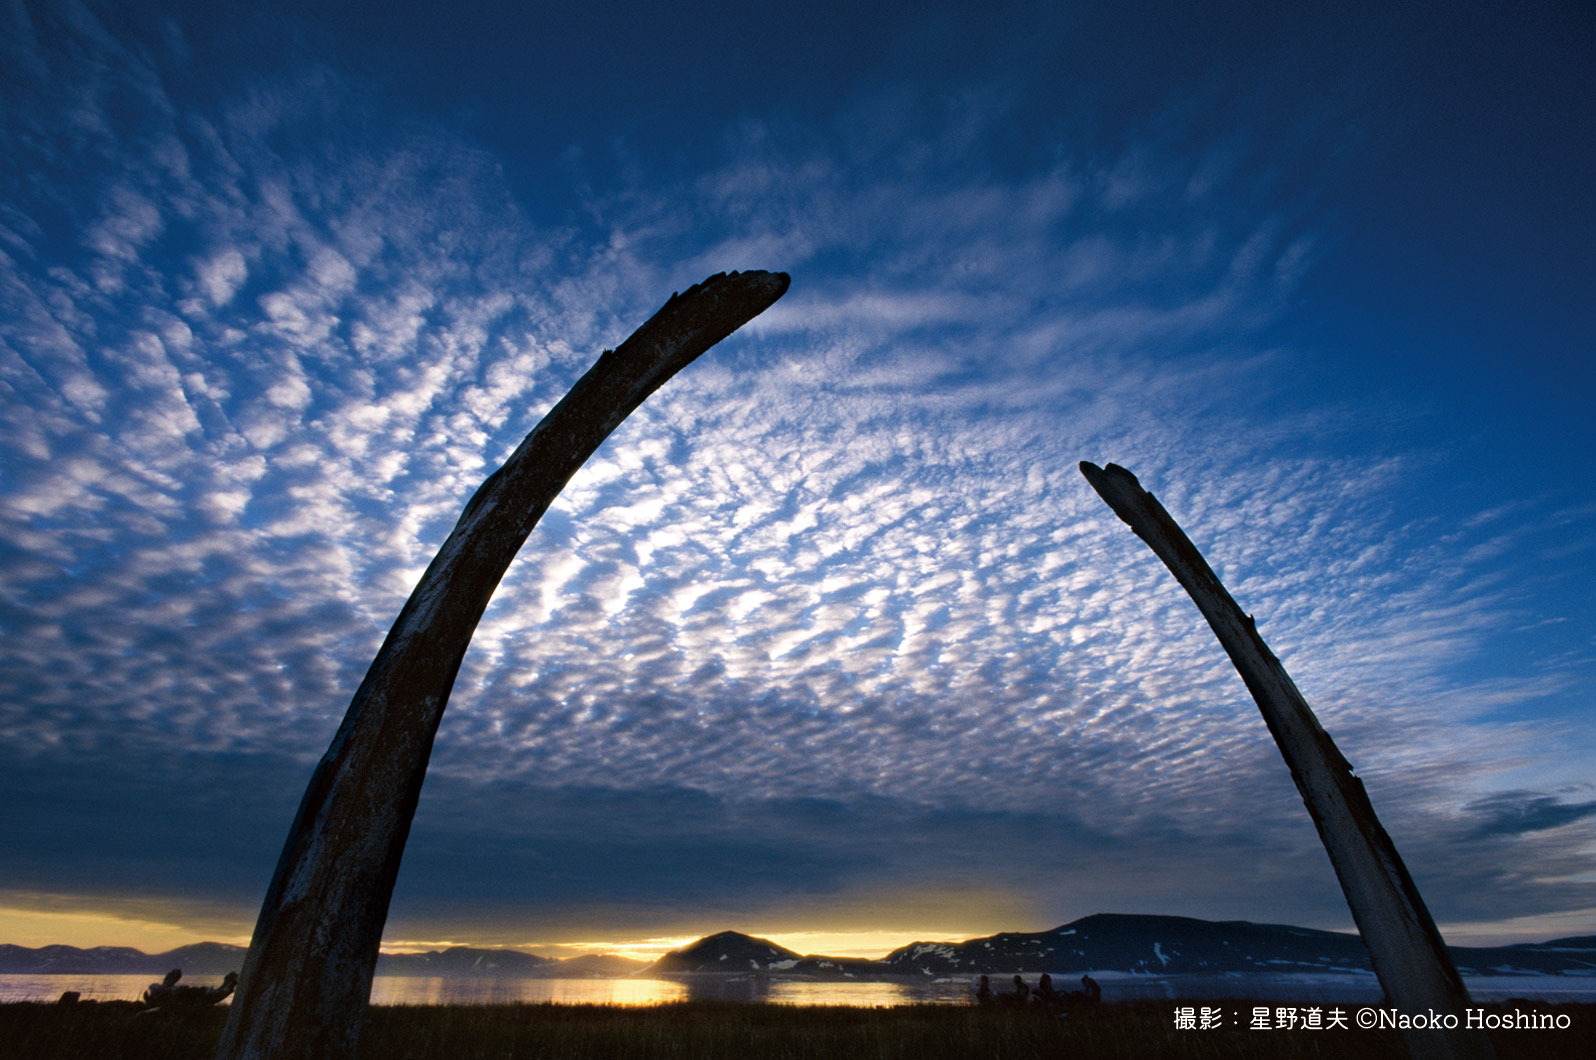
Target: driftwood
(171, 996)
(307, 977)
(1409, 958)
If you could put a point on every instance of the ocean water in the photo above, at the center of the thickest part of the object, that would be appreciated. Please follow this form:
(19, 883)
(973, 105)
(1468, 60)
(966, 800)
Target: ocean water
(416, 990)
(419, 990)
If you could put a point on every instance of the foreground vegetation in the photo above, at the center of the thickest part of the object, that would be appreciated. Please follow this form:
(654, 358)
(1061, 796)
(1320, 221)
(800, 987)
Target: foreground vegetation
(701, 1029)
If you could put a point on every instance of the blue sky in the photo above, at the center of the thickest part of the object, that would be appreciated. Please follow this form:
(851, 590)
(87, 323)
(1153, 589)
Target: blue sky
(830, 642)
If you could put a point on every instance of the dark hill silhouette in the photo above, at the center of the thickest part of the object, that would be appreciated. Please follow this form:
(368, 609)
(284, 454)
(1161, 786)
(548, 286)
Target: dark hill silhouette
(727, 951)
(1177, 945)
(1169, 945)
(1113, 942)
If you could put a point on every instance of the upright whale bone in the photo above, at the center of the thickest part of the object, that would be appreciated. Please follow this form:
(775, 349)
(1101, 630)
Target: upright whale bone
(1408, 955)
(307, 977)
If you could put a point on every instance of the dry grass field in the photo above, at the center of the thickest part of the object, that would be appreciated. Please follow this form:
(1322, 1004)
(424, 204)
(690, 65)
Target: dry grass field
(698, 1030)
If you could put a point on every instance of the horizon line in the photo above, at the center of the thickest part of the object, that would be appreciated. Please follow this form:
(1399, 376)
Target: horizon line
(649, 950)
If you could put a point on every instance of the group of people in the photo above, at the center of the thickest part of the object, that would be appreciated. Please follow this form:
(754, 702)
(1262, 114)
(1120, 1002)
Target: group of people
(1044, 995)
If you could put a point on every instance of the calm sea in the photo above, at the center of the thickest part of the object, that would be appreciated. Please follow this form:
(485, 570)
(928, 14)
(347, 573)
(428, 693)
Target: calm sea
(415, 990)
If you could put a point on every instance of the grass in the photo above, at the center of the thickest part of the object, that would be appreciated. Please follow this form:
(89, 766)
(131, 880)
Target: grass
(703, 1029)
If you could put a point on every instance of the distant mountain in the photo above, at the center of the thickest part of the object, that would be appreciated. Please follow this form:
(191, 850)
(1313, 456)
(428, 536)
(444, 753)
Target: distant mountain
(732, 952)
(202, 958)
(1570, 956)
(214, 958)
(606, 965)
(1107, 942)
(1167, 945)
(838, 968)
(728, 951)
(1575, 943)
(465, 962)
(1174, 945)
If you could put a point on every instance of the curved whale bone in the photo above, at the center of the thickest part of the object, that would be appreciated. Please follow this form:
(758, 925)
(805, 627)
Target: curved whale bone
(307, 976)
(1409, 958)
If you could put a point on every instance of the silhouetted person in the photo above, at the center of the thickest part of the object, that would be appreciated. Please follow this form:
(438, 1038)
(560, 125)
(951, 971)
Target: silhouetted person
(1050, 998)
(163, 989)
(1022, 993)
(1094, 993)
(983, 993)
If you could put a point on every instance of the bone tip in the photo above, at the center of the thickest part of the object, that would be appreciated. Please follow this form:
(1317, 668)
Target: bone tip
(1122, 476)
(772, 285)
(1097, 476)
(775, 284)
(1111, 478)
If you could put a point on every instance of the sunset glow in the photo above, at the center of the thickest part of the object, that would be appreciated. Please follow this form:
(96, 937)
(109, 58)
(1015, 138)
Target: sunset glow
(34, 927)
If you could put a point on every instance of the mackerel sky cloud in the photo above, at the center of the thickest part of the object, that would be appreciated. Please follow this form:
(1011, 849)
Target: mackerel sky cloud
(831, 634)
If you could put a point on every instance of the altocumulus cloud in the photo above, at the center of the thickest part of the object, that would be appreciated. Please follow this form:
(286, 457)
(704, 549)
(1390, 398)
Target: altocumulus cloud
(831, 619)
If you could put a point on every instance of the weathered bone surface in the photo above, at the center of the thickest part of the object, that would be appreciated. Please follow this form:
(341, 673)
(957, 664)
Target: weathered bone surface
(1408, 955)
(307, 977)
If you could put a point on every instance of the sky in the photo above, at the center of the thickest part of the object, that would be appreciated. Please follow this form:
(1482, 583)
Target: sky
(830, 642)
